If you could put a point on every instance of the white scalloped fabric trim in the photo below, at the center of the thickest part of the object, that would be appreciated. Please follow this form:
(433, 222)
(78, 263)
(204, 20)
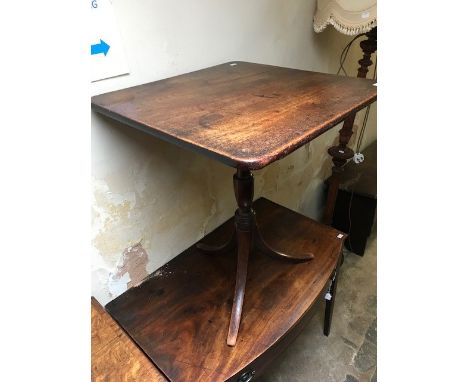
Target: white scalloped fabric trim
(351, 31)
(349, 22)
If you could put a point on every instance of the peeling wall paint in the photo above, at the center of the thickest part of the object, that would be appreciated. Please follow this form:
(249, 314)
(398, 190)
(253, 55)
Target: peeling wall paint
(151, 199)
(132, 263)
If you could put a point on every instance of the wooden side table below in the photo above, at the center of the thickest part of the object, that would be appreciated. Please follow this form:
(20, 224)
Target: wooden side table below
(180, 313)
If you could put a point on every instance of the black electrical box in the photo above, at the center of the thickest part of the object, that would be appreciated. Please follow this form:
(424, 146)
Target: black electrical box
(356, 202)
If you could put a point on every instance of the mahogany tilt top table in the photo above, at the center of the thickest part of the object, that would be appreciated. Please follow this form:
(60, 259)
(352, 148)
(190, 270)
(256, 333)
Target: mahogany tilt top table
(247, 116)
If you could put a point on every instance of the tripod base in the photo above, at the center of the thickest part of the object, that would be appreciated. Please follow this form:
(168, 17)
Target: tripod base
(246, 236)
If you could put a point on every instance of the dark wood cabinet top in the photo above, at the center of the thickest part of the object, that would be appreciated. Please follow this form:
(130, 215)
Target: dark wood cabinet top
(243, 114)
(179, 316)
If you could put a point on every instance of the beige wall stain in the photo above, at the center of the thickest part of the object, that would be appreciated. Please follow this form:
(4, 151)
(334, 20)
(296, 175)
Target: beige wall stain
(134, 261)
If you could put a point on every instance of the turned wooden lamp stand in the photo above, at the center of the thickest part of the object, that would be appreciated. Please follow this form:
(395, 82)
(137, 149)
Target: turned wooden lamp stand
(342, 153)
(246, 234)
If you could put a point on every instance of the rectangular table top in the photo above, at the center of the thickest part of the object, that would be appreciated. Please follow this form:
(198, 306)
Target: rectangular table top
(243, 114)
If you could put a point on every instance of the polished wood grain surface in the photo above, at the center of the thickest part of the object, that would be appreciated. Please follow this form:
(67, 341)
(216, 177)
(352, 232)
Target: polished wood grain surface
(243, 114)
(181, 313)
(114, 356)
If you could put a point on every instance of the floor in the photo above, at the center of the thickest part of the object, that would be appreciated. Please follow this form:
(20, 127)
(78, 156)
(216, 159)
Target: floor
(349, 353)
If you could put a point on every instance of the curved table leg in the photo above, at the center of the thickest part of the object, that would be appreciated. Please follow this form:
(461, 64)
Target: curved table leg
(261, 244)
(220, 248)
(244, 224)
(243, 250)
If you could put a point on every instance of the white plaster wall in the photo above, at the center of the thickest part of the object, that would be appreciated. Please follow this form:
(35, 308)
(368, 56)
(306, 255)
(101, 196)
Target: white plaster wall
(156, 199)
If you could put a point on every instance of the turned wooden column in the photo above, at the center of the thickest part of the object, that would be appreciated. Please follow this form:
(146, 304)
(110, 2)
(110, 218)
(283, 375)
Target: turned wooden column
(342, 153)
(244, 223)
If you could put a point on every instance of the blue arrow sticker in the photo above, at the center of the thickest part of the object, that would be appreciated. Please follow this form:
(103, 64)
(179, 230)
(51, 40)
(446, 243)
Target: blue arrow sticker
(102, 47)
